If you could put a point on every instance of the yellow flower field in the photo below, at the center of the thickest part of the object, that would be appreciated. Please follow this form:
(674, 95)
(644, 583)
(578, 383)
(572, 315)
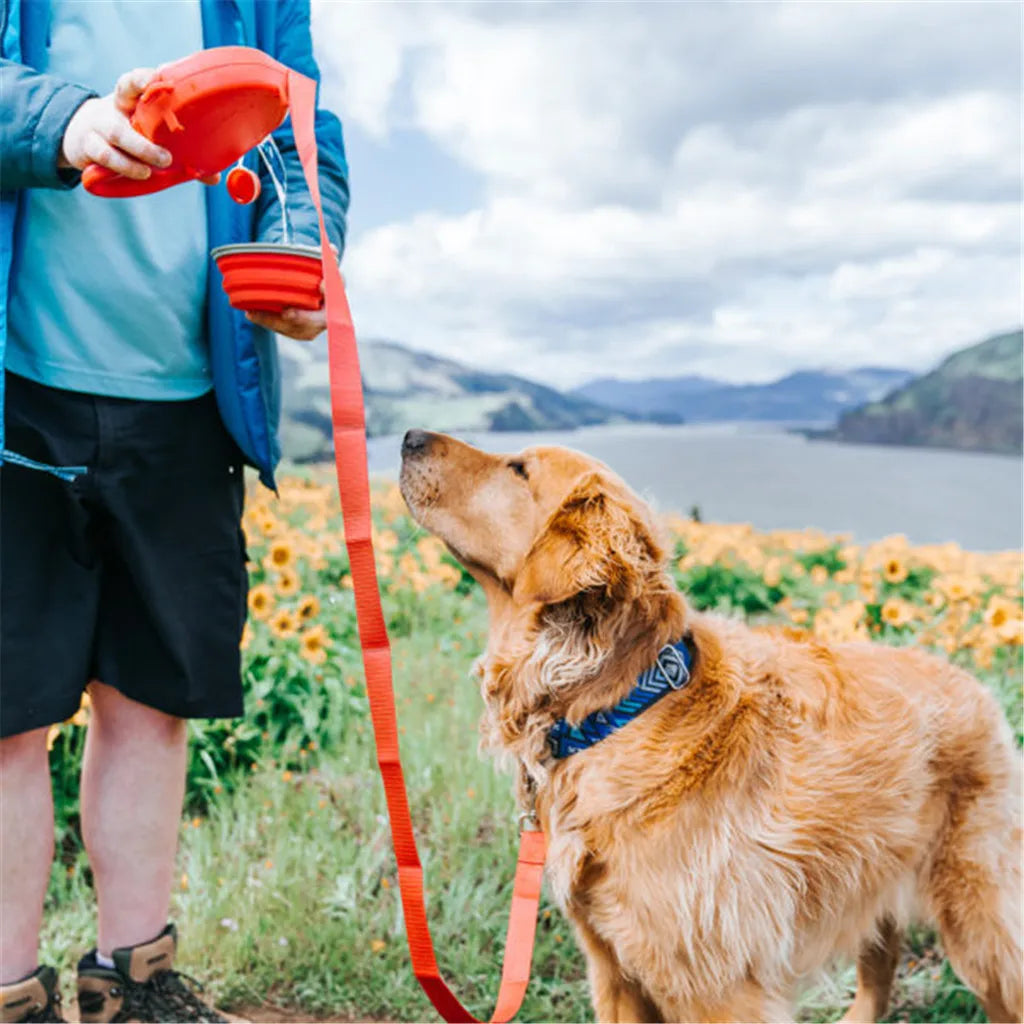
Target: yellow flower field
(965, 604)
(940, 595)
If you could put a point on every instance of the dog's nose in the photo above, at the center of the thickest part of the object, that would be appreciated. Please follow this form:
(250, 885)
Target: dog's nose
(416, 442)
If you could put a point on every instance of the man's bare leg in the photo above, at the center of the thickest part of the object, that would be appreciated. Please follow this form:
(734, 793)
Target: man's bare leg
(26, 850)
(133, 784)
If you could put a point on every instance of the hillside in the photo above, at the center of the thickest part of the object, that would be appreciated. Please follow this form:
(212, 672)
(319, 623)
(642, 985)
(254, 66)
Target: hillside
(406, 388)
(971, 401)
(807, 396)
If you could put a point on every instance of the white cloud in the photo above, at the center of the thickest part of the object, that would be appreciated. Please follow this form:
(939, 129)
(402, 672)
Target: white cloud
(737, 189)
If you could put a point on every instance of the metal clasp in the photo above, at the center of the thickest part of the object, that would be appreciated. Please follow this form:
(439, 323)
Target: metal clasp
(529, 822)
(676, 674)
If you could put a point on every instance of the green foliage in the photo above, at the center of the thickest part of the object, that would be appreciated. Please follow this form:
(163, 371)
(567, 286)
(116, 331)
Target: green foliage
(727, 588)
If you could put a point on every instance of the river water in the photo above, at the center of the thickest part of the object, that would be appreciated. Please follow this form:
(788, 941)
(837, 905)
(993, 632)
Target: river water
(778, 480)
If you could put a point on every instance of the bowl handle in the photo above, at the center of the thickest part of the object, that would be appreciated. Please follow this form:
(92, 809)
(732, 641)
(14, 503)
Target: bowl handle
(102, 181)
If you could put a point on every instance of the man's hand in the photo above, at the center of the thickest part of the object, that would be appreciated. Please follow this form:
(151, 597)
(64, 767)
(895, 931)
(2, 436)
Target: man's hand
(301, 324)
(99, 132)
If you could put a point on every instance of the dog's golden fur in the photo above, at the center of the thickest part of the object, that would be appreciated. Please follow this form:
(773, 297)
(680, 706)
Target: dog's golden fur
(796, 800)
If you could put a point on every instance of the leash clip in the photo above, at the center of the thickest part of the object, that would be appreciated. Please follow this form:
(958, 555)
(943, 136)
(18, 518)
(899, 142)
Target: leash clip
(529, 822)
(676, 674)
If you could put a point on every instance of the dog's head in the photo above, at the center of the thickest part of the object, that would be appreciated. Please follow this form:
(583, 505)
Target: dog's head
(542, 527)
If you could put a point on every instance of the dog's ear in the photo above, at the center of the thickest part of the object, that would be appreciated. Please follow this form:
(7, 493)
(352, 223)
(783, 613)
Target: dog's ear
(596, 541)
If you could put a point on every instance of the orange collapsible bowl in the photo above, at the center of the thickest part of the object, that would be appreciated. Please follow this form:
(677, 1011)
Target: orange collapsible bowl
(206, 110)
(269, 278)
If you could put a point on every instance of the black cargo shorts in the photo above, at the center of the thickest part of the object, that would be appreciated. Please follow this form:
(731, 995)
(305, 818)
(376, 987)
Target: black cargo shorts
(134, 573)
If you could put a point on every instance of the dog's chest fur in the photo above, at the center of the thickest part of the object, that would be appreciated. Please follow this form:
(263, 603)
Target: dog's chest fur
(623, 881)
(736, 884)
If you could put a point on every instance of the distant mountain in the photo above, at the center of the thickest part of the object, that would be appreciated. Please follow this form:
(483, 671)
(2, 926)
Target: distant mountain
(808, 396)
(972, 400)
(657, 397)
(405, 388)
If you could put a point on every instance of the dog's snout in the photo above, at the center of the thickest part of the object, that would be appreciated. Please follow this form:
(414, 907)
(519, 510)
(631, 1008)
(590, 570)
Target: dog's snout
(417, 442)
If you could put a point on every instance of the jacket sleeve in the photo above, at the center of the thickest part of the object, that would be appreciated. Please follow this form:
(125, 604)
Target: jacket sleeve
(35, 111)
(294, 47)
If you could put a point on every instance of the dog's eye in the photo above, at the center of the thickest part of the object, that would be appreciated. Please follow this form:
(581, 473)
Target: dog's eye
(518, 466)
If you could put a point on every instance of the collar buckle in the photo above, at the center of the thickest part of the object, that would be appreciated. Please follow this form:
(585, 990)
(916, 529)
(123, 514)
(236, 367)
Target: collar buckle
(672, 666)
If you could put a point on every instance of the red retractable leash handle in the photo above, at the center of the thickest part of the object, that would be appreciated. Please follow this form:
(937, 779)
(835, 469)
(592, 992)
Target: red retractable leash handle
(348, 417)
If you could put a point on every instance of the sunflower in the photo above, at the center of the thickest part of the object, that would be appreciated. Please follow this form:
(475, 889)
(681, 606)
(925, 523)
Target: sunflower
(772, 574)
(313, 645)
(309, 608)
(269, 524)
(283, 624)
(280, 556)
(287, 583)
(385, 540)
(895, 570)
(1011, 631)
(448, 574)
(896, 612)
(261, 601)
(957, 587)
(1000, 611)
(243, 644)
(431, 551)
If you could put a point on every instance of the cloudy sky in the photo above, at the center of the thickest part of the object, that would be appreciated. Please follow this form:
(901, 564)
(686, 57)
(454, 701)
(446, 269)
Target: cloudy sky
(573, 190)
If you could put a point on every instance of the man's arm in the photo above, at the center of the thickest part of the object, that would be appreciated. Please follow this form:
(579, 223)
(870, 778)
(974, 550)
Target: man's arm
(34, 115)
(295, 49)
(51, 129)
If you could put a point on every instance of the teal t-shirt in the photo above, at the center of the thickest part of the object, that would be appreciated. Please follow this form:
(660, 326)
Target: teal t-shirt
(108, 296)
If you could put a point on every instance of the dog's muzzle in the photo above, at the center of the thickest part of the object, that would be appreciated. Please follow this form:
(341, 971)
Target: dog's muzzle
(417, 443)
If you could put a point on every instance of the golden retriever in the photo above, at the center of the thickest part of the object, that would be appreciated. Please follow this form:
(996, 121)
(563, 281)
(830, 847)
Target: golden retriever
(795, 800)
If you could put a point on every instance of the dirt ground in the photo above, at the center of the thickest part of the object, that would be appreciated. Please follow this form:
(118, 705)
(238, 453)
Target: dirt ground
(268, 1013)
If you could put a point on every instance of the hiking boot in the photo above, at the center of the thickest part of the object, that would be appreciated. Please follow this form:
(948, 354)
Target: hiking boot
(35, 998)
(141, 986)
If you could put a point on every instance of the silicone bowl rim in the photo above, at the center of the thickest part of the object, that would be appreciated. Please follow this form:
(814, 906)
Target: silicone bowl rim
(282, 248)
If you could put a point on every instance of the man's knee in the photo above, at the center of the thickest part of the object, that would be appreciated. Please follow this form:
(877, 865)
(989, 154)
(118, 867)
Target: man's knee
(23, 749)
(122, 718)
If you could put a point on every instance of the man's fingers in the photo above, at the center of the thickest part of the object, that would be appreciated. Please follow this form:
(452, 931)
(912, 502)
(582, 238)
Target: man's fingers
(304, 324)
(128, 140)
(300, 324)
(99, 151)
(129, 86)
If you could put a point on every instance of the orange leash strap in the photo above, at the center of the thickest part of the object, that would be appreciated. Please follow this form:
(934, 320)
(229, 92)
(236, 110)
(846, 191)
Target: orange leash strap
(353, 485)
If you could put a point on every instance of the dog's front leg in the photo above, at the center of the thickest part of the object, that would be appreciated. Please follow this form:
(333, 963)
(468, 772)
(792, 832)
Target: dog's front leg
(616, 998)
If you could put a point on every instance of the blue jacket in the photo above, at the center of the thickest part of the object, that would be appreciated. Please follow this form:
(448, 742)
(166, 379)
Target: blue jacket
(35, 110)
